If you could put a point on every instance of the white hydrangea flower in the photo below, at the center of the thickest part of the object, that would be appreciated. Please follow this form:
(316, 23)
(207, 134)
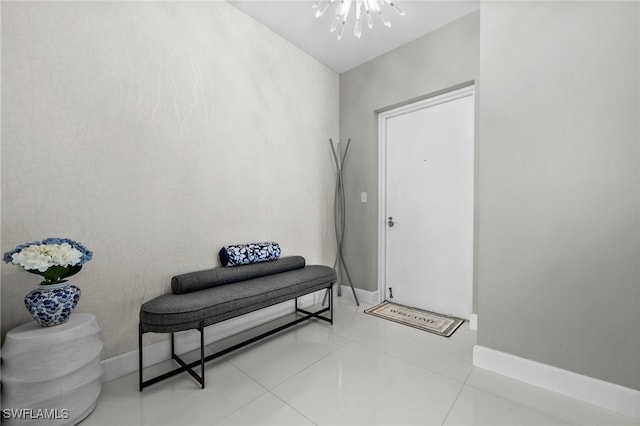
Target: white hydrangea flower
(41, 257)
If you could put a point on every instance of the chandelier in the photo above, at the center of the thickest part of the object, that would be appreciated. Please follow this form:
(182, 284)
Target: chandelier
(343, 8)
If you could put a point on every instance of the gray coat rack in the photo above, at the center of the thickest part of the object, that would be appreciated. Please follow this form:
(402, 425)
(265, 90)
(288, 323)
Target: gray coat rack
(339, 212)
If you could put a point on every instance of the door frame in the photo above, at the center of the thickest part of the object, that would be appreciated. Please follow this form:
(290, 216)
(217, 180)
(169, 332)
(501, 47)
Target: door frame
(382, 115)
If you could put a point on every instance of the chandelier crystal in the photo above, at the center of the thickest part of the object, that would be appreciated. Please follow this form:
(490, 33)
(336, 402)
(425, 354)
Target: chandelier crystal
(368, 7)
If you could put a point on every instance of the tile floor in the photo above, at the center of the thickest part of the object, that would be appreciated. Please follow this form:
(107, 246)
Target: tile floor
(362, 370)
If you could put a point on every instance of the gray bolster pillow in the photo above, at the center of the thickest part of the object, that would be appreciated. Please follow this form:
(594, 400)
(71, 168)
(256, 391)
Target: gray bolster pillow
(194, 281)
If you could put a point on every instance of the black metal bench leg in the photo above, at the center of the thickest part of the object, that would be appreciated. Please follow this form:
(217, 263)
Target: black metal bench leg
(140, 356)
(331, 291)
(331, 304)
(202, 352)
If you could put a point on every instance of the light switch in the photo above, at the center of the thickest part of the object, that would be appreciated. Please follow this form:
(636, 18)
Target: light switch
(363, 197)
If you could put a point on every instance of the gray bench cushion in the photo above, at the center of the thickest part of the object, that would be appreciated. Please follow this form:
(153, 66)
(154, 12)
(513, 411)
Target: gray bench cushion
(194, 281)
(177, 312)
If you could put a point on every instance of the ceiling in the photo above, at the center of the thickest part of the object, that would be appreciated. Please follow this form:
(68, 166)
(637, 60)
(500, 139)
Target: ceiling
(295, 21)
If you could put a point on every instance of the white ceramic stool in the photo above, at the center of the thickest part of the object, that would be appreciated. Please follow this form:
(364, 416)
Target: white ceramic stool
(51, 375)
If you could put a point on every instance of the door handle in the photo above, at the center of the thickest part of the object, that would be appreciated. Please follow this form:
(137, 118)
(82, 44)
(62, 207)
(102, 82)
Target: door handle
(390, 222)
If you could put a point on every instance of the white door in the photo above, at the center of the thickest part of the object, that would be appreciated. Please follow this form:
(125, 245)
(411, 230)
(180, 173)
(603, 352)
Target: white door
(428, 151)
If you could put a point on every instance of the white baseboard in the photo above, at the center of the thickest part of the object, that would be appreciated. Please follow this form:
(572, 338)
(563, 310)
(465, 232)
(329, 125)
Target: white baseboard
(370, 297)
(473, 322)
(364, 296)
(126, 363)
(584, 388)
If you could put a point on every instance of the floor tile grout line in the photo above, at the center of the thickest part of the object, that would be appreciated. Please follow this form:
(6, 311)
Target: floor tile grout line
(463, 383)
(266, 391)
(382, 321)
(241, 408)
(369, 348)
(466, 379)
(444, 420)
(413, 363)
(334, 350)
(520, 404)
(293, 408)
(556, 394)
(284, 332)
(228, 357)
(352, 340)
(356, 336)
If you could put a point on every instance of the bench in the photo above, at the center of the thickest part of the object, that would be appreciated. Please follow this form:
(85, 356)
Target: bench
(203, 298)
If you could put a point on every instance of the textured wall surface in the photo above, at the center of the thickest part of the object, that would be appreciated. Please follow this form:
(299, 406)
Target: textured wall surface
(444, 58)
(155, 133)
(559, 140)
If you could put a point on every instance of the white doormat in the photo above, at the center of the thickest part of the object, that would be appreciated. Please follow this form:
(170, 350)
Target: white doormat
(432, 322)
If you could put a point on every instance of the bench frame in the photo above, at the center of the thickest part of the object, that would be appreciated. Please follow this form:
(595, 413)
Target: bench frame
(200, 378)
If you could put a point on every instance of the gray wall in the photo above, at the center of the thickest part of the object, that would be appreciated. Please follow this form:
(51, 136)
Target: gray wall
(446, 57)
(559, 186)
(155, 133)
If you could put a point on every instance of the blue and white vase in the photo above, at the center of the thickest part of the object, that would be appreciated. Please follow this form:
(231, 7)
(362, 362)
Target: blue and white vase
(52, 304)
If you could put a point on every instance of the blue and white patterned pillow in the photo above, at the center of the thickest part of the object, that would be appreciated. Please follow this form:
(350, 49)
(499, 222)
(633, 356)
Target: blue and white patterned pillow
(243, 254)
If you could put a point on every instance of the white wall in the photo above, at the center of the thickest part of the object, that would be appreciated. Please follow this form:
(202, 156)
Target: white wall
(559, 139)
(155, 133)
